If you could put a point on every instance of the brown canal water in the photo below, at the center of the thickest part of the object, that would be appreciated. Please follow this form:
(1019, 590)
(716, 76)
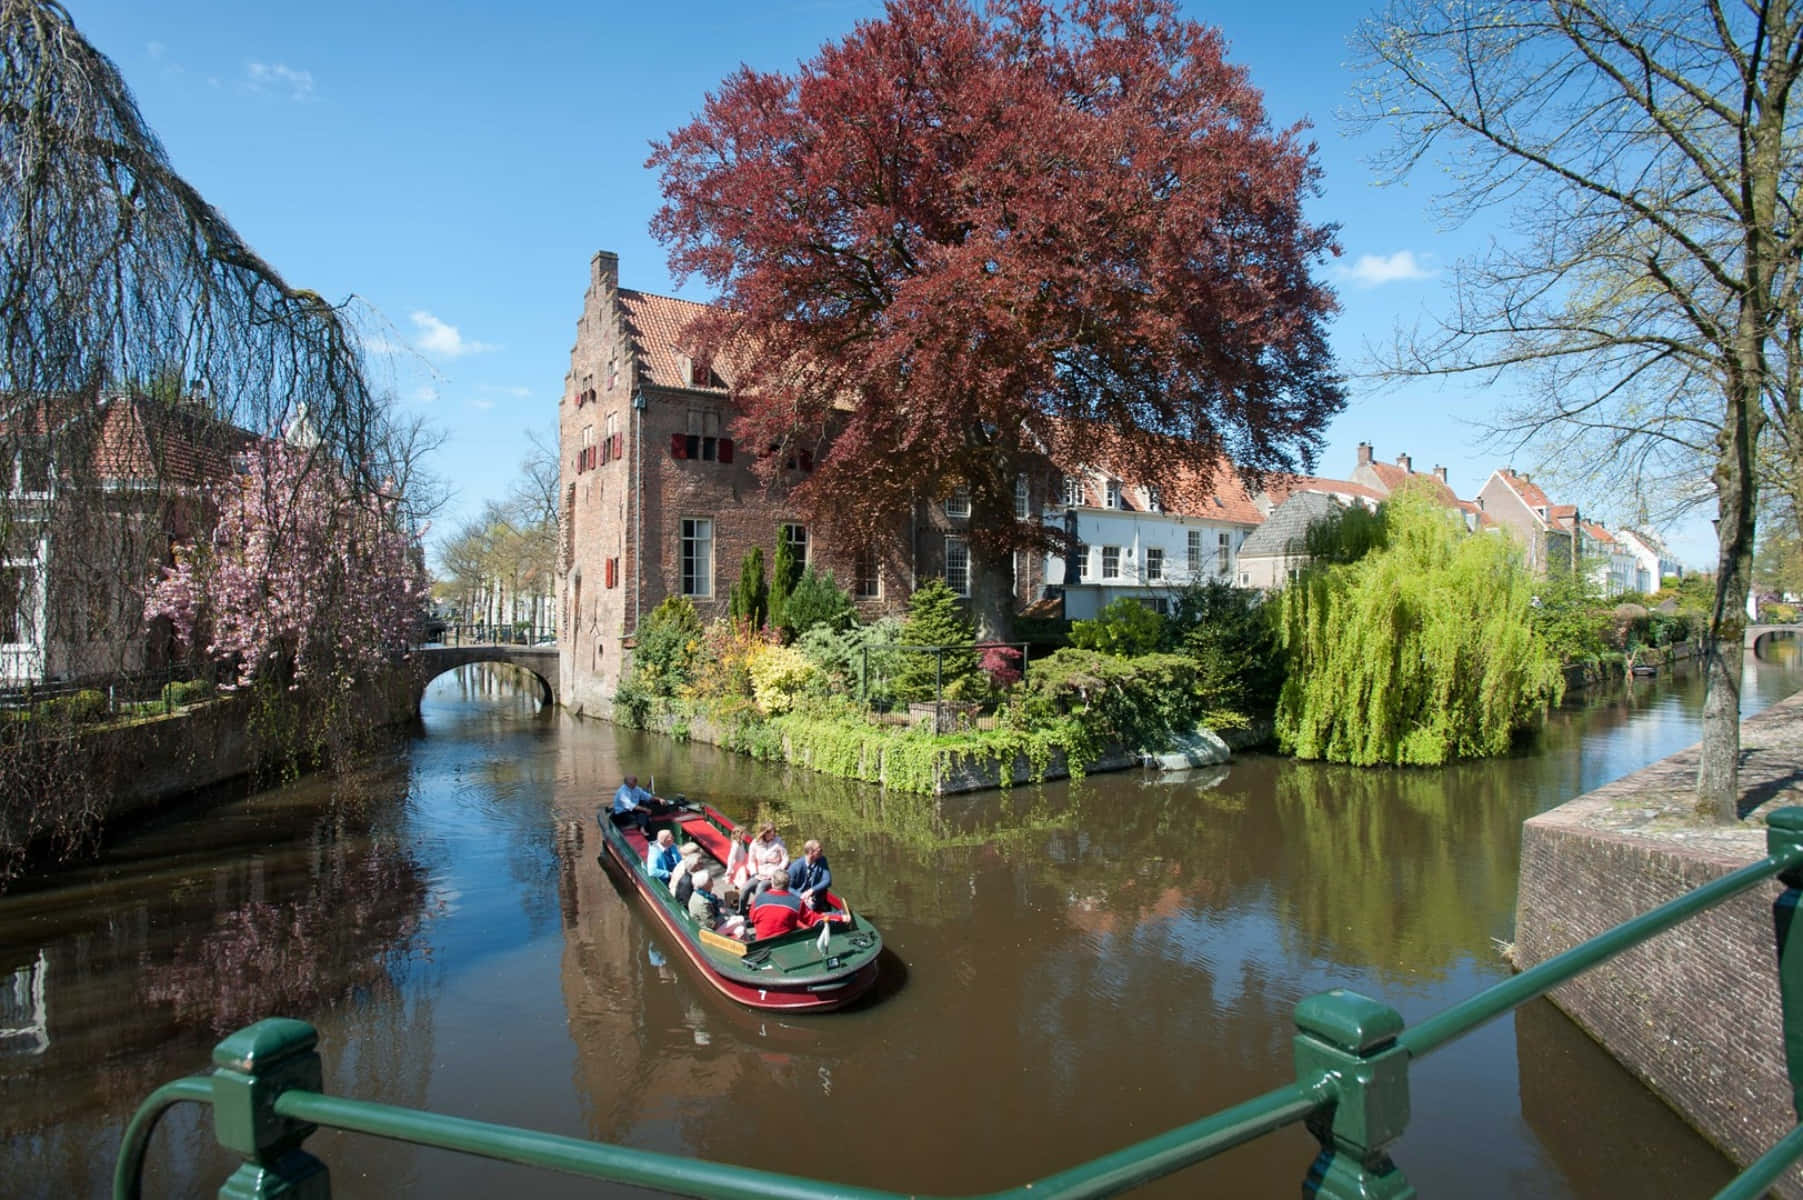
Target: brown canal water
(1074, 968)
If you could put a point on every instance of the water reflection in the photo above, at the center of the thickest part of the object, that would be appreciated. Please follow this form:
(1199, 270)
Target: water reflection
(1073, 967)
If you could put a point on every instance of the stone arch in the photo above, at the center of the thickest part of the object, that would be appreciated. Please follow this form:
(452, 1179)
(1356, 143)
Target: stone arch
(541, 662)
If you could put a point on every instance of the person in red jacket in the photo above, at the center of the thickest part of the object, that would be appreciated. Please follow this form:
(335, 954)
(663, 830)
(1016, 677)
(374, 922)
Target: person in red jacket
(778, 910)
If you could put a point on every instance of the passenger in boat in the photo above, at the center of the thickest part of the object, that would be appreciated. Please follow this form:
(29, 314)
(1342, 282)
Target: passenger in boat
(662, 858)
(810, 877)
(704, 906)
(634, 800)
(763, 854)
(777, 910)
(681, 885)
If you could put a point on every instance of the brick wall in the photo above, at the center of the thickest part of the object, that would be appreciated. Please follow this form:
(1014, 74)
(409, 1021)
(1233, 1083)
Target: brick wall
(1694, 1013)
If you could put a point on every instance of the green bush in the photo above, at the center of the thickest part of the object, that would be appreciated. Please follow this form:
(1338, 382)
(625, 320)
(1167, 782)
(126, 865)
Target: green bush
(1138, 702)
(83, 706)
(668, 640)
(785, 573)
(1231, 635)
(935, 618)
(750, 599)
(859, 662)
(817, 602)
(1125, 628)
(187, 691)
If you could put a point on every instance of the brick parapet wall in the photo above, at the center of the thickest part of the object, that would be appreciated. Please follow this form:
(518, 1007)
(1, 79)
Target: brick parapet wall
(1694, 1013)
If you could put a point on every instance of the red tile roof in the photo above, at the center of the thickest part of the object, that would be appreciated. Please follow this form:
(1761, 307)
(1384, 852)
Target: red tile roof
(1529, 492)
(1281, 487)
(658, 326)
(1598, 533)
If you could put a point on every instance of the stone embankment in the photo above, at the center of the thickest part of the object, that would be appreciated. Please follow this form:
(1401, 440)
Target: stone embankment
(1694, 1012)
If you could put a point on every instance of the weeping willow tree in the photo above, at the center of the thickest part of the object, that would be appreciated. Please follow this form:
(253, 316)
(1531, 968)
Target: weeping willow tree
(144, 347)
(1418, 653)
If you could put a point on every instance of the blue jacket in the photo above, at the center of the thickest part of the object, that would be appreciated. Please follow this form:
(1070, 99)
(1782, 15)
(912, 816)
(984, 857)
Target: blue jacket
(661, 860)
(627, 797)
(817, 875)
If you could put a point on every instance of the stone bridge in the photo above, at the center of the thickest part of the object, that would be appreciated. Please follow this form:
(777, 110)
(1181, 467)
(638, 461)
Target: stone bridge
(429, 662)
(1757, 634)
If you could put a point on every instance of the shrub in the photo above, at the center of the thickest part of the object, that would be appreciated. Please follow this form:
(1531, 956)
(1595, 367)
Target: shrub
(859, 662)
(1125, 628)
(1230, 634)
(778, 675)
(85, 705)
(668, 641)
(190, 691)
(750, 599)
(1138, 702)
(722, 665)
(934, 619)
(785, 572)
(818, 602)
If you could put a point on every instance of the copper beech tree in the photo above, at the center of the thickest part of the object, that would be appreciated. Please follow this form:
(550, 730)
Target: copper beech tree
(960, 239)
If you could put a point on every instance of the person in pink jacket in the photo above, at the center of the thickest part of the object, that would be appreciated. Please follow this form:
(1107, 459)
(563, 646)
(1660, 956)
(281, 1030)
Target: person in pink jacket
(763, 854)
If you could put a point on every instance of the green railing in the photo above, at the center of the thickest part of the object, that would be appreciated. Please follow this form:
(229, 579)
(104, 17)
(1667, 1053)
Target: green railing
(1352, 1057)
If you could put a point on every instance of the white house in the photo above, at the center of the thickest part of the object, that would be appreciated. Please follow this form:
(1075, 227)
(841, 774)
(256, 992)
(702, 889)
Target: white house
(1652, 561)
(1132, 545)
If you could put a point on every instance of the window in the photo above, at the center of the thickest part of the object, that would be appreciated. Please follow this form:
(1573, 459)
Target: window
(17, 600)
(957, 565)
(1154, 562)
(613, 370)
(1022, 508)
(703, 440)
(958, 503)
(1224, 555)
(33, 469)
(1113, 497)
(797, 537)
(1195, 554)
(1160, 605)
(1111, 562)
(867, 579)
(1073, 491)
(585, 458)
(1154, 501)
(697, 556)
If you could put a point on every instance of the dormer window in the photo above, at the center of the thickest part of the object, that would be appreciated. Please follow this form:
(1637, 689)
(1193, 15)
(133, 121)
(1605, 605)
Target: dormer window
(1154, 502)
(1113, 497)
(1073, 491)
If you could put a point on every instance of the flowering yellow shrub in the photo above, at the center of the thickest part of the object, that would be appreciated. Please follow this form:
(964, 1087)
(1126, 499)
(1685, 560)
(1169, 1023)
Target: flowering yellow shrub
(778, 675)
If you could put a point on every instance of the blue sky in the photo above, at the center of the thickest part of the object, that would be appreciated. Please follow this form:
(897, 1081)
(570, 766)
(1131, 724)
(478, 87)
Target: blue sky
(454, 167)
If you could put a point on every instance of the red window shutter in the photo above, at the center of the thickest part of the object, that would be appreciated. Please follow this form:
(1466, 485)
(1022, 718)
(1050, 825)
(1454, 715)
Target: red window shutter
(619, 441)
(725, 450)
(678, 446)
(610, 571)
(592, 463)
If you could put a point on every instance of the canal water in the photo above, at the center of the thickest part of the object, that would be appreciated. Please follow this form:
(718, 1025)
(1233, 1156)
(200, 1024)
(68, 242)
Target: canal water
(1074, 968)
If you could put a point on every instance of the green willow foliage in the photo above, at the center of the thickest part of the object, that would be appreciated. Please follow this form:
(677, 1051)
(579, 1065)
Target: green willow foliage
(1417, 654)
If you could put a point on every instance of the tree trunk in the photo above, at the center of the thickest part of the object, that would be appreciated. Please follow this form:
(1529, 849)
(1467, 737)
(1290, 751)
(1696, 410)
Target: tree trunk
(1718, 770)
(991, 569)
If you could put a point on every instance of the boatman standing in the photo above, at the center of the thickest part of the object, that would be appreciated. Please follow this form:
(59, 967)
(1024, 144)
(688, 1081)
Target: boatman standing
(635, 800)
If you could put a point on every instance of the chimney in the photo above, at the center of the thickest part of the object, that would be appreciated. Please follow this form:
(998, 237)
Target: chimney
(1402, 460)
(1440, 474)
(604, 270)
(1364, 454)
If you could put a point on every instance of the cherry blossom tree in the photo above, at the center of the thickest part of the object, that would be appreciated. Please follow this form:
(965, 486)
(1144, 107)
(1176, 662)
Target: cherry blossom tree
(304, 577)
(956, 239)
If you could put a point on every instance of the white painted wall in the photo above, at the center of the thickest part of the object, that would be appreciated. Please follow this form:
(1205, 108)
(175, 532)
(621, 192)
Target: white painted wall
(1136, 533)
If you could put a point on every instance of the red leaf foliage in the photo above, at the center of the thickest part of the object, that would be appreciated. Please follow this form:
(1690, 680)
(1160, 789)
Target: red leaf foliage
(954, 238)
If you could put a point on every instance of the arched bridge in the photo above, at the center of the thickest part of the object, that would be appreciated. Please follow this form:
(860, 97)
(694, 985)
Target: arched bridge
(1758, 634)
(429, 662)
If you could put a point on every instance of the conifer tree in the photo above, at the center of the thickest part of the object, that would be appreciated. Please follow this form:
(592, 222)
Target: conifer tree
(935, 618)
(750, 599)
(785, 572)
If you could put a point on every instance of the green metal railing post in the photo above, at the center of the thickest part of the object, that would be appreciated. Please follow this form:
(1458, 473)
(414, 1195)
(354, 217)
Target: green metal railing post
(1352, 1040)
(1784, 834)
(253, 1067)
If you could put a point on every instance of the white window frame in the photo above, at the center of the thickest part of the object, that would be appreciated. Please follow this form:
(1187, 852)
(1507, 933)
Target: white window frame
(1111, 571)
(1111, 494)
(958, 503)
(697, 570)
(796, 534)
(1154, 499)
(957, 577)
(1155, 563)
(1194, 547)
(1224, 554)
(1023, 503)
(1073, 491)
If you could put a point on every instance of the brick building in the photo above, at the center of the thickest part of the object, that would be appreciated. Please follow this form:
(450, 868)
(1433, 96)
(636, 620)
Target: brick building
(658, 499)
